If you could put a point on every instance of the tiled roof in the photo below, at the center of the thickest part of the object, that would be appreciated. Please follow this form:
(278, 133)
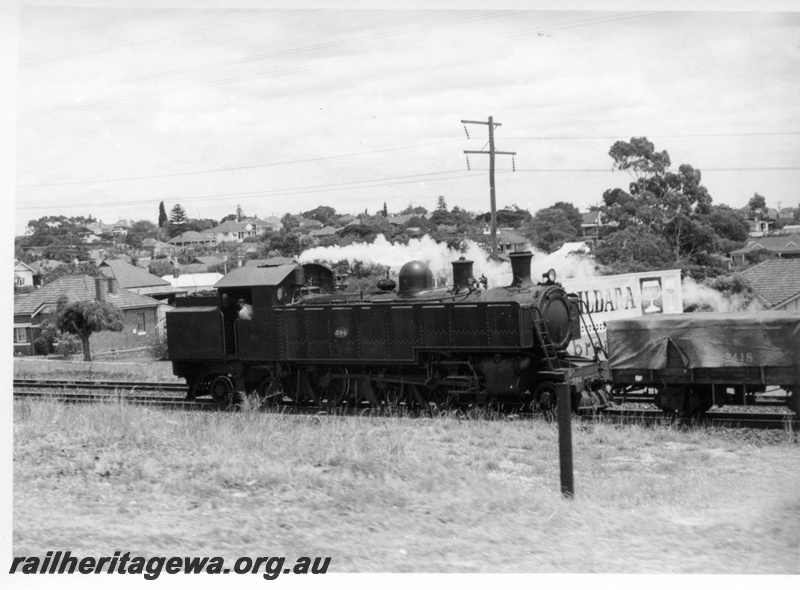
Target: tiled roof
(229, 227)
(590, 218)
(129, 276)
(274, 261)
(781, 244)
(775, 280)
(248, 276)
(208, 260)
(205, 280)
(189, 236)
(78, 288)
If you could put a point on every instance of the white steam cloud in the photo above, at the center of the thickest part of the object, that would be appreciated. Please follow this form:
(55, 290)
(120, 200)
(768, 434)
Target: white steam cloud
(439, 257)
(704, 298)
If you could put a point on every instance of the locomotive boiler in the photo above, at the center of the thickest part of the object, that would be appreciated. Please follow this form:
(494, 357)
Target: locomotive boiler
(409, 344)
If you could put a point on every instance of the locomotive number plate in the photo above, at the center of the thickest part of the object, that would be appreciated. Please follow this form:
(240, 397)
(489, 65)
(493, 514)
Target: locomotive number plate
(341, 332)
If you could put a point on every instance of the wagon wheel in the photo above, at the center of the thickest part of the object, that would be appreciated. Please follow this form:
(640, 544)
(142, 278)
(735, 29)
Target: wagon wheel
(223, 391)
(545, 399)
(331, 389)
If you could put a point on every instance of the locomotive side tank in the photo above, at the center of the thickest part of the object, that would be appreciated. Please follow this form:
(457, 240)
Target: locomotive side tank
(416, 345)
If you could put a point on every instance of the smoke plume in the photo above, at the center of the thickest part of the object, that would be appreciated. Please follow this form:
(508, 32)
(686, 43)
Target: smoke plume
(438, 256)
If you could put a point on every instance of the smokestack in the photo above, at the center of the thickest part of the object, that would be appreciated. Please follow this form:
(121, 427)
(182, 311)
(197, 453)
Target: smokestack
(521, 269)
(112, 286)
(462, 274)
(99, 293)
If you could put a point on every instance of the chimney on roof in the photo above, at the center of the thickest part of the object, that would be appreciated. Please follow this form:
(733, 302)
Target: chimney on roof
(99, 293)
(176, 272)
(112, 286)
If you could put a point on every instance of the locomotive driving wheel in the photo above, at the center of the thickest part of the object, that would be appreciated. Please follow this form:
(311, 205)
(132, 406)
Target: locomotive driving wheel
(223, 391)
(331, 388)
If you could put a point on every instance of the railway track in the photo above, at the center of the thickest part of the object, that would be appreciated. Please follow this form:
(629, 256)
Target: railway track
(171, 396)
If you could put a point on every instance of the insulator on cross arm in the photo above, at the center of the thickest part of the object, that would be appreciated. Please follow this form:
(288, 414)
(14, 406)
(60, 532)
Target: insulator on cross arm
(468, 168)
(513, 165)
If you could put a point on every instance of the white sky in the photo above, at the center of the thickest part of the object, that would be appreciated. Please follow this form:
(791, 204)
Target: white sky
(282, 109)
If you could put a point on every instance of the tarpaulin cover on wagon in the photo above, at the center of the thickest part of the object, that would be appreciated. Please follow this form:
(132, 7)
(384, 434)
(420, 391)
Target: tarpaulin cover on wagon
(705, 340)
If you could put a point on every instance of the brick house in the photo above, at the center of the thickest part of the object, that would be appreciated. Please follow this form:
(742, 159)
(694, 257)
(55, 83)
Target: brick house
(787, 246)
(139, 281)
(33, 309)
(777, 282)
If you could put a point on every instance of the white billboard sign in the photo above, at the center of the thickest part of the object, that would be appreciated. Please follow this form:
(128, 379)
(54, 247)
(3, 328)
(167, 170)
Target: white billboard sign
(623, 296)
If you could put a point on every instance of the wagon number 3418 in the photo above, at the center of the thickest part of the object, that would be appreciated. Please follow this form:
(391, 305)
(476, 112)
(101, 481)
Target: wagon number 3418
(739, 357)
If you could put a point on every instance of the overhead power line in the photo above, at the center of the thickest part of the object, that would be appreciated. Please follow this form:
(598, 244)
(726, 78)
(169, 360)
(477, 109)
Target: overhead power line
(232, 168)
(384, 182)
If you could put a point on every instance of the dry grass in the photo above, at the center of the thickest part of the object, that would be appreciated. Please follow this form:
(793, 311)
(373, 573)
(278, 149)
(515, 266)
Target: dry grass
(398, 495)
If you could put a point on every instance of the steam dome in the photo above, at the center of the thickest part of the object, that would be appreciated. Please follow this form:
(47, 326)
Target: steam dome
(415, 276)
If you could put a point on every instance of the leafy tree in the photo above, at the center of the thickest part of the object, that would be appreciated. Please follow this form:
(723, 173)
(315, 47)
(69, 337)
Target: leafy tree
(550, 228)
(511, 216)
(323, 214)
(53, 229)
(757, 206)
(287, 243)
(140, 230)
(360, 232)
(199, 224)
(229, 217)
(177, 221)
(729, 225)
(639, 158)
(64, 270)
(162, 214)
(671, 204)
(160, 268)
(573, 214)
(84, 318)
(411, 210)
(634, 249)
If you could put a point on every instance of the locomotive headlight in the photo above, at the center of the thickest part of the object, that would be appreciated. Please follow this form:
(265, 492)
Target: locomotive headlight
(549, 277)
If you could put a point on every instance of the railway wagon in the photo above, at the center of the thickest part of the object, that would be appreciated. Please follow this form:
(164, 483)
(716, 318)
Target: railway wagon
(406, 343)
(699, 360)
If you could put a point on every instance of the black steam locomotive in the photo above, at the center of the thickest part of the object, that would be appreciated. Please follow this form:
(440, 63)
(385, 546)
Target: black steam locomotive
(299, 340)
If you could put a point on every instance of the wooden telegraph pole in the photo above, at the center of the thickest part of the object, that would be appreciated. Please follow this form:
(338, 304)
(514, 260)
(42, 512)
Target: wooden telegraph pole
(492, 152)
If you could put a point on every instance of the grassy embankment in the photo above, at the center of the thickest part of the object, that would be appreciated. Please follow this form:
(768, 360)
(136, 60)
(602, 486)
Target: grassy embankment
(397, 494)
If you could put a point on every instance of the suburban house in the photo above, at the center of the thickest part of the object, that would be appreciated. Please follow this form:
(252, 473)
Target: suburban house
(325, 232)
(777, 282)
(121, 227)
(194, 282)
(591, 224)
(140, 313)
(787, 246)
(158, 248)
(507, 240)
(271, 224)
(23, 275)
(139, 281)
(193, 238)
